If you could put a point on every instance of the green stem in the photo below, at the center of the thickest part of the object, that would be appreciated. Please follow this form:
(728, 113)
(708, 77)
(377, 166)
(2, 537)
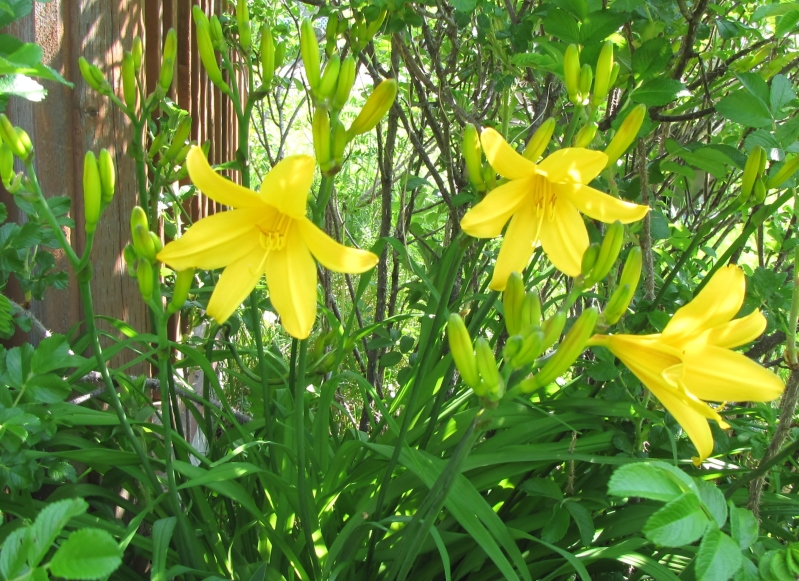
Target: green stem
(325, 191)
(44, 208)
(790, 347)
(572, 127)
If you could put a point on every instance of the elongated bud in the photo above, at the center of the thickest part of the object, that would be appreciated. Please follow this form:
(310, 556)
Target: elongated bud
(460, 344)
(783, 175)
(309, 49)
(568, 351)
(512, 300)
(374, 25)
(217, 35)
(157, 244)
(24, 141)
(93, 76)
(267, 55)
(140, 234)
(321, 139)
(331, 34)
(129, 80)
(617, 304)
(129, 253)
(626, 135)
(178, 138)
(92, 192)
(751, 171)
(144, 274)
(531, 311)
(759, 192)
(604, 70)
(614, 74)
(108, 176)
(280, 54)
(243, 21)
(552, 328)
(540, 140)
(137, 50)
(531, 347)
(183, 281)
(492, 385)
(156, 145)
(327, 84)
(340, 141)
(6, 163)
(168, 61)
(375, 108)
(589, 258)
(512, 347)
(571, 73)
(183, 153)
(631, 273)
(206, 49)
(608, 253)
(586, 135)
(346, 78)
(473, 155)
(586, 80)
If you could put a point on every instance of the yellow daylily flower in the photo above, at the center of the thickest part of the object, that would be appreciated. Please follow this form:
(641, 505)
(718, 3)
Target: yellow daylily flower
(266, 233)
(691, 361)
(543, 203)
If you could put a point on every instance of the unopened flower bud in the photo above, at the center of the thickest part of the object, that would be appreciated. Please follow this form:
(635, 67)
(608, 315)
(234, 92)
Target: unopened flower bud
(129, 89)
(628, 282)
(309, 49)
(759, 192)
(93, 76)
(531, 311)
(531, 347)
(217, 34)
(589, 258)
(540, 140)
(552, 328)
(512, 300)
(586, 80)
(327, 84)
(9, 135)
(626, 135)
(491, 385)
(206, 49)
(144, 274)
(460, 345)
(375, 108)
(267, 56)
(137, 50)
(108, 175)
(608, 253)
(168, 61)
(140, 234)
(280, 54)
(751, 172)
(182, 132)
(340, 141)
(243, 22)
(346, 78)
(321, 139)
(129, 254)
(586, 135)
(183, 281)
(92, 192)
(604, 70)
(6, 163)
(783, 174)
(571, 73)
(473, 155)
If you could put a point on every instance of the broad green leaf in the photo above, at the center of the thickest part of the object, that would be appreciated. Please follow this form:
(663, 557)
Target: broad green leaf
(562, 26)
(659, 225)
(744, 108)
(764, 139)
(713, 499)
(537, 487)
(464, 5)
(6, 318)
(390, 359)
(718, 558)
(728, 29)
(49, 523)
(747, 572)
(14, 553)
(22, 86)
(680, 522)
(557, 525)
(781, 92)
(649, 480)
(597, 26)
(778, 9)
(651, 58)
(756, 86)
(582, 518)
(658, 91)
(87, 554)
(708, 159)
(683, 170)
(53, 353)
(47, 388)
(743, 526)
(787, 24)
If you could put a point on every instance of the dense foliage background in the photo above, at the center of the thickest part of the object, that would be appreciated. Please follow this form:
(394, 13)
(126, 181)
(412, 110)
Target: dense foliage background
(240, 452)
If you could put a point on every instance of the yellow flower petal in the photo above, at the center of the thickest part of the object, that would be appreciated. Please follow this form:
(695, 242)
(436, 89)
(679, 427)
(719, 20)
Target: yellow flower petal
(517, 246)
(236, 282)
(717, 374)
(287, 184)
(564, 237)
(213, 242)
(573, 165)
(331, 254)
(646, 356)
(694, 424)
(215, 186)
(600, 206)
(717, 303)
(503, 158)
(487, 218)
(291, 278)
(737, 332)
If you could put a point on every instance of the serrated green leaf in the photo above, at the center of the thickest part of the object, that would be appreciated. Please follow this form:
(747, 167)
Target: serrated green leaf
(582, 518)
(719, 557)
(656, 92)
(22, 86)
(597, 26)
(557, 525)
(680, 522)
(743, 526)
(14, 553)
(390, 359)
(781, 92)
(713, 499)
(746, 109)
(49, 523)
(747, 572)
(6, 317)
(756, 86)
(53, 353)
(650, 480)
(537, 487)
(786, 24)
(87, 554)
(562, 26)
(767, 10)
(651, 58)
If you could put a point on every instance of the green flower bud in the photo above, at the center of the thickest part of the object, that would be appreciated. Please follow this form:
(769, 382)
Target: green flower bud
(783, 175)
(93, 76)
(321, 139)
(571, 73)
(473, 155)
(137, 50)
(309, 49)
(589, 258)
(206, 49)
(346, 78)
(108, 176)
(460, 345)
(608, 253)
(327, 84)
(492, 385)
(375, 108)
(604, 71)
(586, 80)
(267, 56)
(6, 163)
(243, 21)
(626, 135)
(540, 140)
(183, 282)
(586, 135)
(92, 192)
(512, 301)
(144, 274)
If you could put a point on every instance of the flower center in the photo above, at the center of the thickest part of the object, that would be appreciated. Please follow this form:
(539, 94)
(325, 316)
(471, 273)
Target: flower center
(273, 233)
(544, 198)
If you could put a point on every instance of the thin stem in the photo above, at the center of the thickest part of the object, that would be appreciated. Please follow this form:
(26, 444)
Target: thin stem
(790, 346)
(44, 207)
